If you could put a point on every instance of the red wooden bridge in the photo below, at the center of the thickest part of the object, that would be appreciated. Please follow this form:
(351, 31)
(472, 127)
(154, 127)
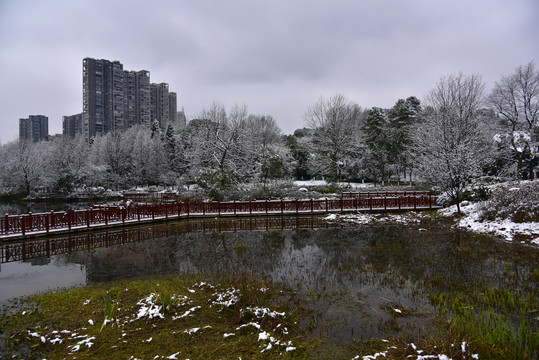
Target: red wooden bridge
(42, 224)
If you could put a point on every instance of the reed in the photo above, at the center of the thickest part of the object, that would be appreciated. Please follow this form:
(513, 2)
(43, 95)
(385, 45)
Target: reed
(500, 320)
(111, 310)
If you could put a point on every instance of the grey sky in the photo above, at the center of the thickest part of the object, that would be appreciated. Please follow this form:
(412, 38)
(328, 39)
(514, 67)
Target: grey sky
(275, 56)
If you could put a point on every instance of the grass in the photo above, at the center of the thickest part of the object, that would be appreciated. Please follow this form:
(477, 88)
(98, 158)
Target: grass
(502, 324)
(184, 317)
(170, 316)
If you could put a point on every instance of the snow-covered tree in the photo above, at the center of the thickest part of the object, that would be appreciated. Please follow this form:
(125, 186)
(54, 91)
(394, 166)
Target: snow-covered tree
(333, 119)
(378, 141)
(299, 150)
(515, 99)
(22, 166)
(450, 147)
(220, 145)
(113, 153)
(402, 117)
(65, 165)
(197, 154)
(266, 157)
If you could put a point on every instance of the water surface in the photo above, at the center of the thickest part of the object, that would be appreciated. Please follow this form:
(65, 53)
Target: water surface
(359, 281)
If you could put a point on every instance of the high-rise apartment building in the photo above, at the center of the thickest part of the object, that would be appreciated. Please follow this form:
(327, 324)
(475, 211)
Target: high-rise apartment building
(172, 107)
(159, 100)
(182, 119)
(116, 99)
(72, 125)
(35, 128)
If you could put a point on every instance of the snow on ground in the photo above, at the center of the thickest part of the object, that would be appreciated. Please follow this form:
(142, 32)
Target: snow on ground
(503, 228)
(419, 354)
(303, 183)
(150, 309)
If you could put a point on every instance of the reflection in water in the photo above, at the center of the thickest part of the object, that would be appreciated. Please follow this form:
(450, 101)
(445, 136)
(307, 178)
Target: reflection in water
(352, 277)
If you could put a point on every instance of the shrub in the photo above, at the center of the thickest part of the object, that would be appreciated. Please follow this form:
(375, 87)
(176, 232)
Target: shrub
(517, 202)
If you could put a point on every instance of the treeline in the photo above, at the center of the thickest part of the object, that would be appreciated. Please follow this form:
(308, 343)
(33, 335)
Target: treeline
(458, 134)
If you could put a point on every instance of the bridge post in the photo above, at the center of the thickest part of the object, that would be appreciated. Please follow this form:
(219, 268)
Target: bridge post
(297, 206)
(69, 219)
(47, 223)
(53, 225)
(30, 221)
(6, 224)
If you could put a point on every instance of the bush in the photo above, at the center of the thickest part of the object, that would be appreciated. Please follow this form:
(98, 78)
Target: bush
(517, 202)
(278, 189)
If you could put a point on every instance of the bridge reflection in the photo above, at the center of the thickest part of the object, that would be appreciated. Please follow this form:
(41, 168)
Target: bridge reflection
(33, 249)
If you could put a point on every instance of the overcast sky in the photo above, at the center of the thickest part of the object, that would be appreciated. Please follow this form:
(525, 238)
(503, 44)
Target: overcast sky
(277, 56)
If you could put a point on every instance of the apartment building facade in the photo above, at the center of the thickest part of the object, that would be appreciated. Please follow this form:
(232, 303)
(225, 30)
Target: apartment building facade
(72, 125)
(34, 128)
(116, 99)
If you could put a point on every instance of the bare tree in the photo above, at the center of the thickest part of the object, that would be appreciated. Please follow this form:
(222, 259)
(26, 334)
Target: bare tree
(333, 120)
(226, 135)
(515, 98)
(449, 143)
(265, 155)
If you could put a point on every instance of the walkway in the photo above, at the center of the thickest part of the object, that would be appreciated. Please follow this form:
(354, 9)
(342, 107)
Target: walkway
(32, 225)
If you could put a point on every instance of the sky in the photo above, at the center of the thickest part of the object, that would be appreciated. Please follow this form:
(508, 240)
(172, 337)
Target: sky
(278, 57)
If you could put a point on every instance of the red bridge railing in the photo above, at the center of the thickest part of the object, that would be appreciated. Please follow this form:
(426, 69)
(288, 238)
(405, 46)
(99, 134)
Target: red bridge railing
(32, 224)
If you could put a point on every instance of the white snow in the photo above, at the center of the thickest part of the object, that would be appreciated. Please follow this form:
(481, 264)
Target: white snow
(305, 183)
(261, 312)
(505, 228)
(191, 331)
(227, 298)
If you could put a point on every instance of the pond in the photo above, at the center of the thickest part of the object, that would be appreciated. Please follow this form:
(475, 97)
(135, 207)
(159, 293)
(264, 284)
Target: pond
(355, 279)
